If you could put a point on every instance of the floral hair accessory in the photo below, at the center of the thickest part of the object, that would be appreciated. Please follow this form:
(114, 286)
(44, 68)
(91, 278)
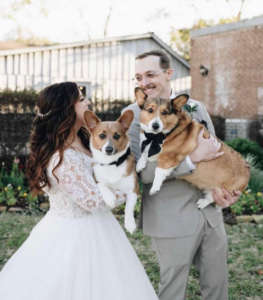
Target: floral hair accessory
(43, 115)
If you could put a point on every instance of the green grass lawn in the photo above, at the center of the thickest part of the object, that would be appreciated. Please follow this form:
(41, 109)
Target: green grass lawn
(245, 255)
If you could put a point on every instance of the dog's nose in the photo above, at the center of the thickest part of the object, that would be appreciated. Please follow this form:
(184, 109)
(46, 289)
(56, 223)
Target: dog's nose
(109, 149)
(155, 126)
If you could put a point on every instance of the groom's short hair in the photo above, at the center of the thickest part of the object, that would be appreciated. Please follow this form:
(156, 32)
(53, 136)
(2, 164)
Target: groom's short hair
(165, 61)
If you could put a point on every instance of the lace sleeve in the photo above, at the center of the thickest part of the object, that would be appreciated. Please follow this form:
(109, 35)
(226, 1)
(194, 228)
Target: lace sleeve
(76, 180)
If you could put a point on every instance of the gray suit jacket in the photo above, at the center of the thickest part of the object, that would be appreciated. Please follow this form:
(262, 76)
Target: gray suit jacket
(171, 212)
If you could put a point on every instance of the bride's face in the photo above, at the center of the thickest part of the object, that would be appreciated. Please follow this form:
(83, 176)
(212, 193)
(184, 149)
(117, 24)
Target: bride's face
(81, 105)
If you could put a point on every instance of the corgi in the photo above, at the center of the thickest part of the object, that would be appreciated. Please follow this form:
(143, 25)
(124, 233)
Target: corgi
(114, 163)
(168, 134)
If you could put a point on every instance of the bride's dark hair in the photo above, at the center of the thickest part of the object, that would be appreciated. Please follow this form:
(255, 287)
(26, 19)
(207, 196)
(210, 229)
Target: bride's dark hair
(51, 129)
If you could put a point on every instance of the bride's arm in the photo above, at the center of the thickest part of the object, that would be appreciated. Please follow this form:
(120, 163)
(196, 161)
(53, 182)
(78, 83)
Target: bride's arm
(78, 183)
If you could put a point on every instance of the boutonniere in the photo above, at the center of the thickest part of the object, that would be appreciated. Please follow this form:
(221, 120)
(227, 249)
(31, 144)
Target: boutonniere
(191, 107)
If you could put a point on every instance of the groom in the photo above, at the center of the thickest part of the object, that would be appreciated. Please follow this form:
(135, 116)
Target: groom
(180, 233)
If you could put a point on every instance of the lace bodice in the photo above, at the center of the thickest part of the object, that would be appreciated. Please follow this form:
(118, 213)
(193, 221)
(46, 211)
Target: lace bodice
(76, 195)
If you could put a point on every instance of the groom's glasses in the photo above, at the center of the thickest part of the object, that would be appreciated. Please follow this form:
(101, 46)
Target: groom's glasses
(149, 76)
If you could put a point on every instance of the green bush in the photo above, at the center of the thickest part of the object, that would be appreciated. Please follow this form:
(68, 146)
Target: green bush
(246, 147)
(15, 196)
(18, 101)
(251, 202)
(248, 204)
(256, 180)
(15, 177)
(13, 188)
(256, 175)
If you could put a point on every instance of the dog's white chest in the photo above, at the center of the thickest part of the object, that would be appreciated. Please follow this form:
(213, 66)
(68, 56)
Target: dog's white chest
(109, 173)
(113, 176)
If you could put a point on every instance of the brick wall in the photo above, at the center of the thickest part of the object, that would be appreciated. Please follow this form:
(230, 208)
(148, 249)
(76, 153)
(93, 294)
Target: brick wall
(233, 87)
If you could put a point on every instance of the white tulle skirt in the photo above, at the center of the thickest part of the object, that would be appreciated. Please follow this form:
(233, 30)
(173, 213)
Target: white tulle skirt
(86, 258)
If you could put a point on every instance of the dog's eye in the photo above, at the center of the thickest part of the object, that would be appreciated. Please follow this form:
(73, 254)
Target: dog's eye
(102, 136)
(150, 110)
(116, 136)
(165, 112)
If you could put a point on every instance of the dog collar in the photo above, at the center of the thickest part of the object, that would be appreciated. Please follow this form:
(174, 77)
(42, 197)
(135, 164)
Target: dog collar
(121, 159)
(168, 133)
(203, 122)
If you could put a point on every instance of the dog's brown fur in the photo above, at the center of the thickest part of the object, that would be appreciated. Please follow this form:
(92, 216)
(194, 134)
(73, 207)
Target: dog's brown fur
(110, 129)
(229, 170)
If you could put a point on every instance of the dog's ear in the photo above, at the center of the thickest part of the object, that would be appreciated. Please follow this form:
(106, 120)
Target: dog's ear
(126, 119)
(140, 97)
(179, 101)
(90, 120)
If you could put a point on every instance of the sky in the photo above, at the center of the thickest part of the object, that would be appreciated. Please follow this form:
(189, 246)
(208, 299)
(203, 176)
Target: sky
(65, 21)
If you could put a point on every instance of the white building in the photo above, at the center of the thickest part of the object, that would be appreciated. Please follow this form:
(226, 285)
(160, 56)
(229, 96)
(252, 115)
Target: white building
(104, 67)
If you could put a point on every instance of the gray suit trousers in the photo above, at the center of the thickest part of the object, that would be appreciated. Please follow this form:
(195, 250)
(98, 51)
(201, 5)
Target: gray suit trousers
(207, 249)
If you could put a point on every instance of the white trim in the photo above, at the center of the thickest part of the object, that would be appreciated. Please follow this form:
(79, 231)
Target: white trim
(257, 21)
(76, 44)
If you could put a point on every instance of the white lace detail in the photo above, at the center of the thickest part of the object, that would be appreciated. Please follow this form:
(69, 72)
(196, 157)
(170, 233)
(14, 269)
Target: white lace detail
(76, 195)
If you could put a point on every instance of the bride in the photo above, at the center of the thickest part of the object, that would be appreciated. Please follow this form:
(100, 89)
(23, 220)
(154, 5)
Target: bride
(78, 251)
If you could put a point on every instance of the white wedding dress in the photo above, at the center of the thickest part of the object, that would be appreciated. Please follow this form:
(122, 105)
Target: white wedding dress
(78, 251)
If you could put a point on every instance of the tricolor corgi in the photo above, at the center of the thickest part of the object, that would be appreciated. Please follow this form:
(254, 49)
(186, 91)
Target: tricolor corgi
(114, 163)
(168, 135)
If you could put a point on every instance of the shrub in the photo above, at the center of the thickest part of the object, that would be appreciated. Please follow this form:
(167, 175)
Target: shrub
(15, 196)
(18, 101)
(15, 177)
(256, 175)
(251, 202)
(246, 147)
(13, 188)
(248, 204)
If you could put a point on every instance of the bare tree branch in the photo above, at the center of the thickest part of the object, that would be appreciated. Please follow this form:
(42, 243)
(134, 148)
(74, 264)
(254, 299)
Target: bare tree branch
(230, 7)
(197, 12)
(107, 21)
(240, 10)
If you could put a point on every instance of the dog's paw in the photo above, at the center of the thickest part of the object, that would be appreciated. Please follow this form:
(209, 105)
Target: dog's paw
(153, 191)
(140, 165)
(202, 203)
(130, 224)
(110, 200)
(107, 195)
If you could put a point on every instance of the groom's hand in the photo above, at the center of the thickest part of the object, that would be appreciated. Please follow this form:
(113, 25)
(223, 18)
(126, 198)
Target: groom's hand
(226, 200)
(206, 150)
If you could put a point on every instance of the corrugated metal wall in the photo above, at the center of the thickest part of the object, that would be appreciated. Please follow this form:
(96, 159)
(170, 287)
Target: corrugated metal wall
(106, 68)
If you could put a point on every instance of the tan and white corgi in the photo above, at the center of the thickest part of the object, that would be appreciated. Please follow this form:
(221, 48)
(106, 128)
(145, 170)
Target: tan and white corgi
(114, 163)
(168, 135)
